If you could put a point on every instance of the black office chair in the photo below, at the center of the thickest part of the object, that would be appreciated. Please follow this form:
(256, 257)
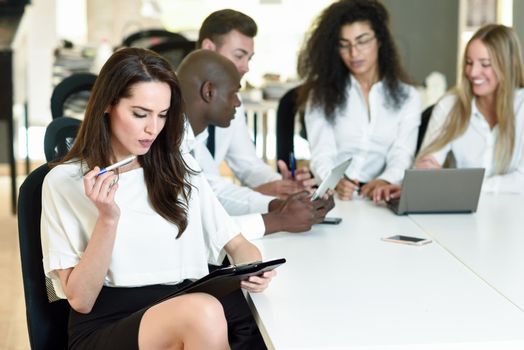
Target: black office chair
(285, 131)
(46, 322)
(75, 87)
(148, 37)
(424, 120)
(173, 50)
(59, 137)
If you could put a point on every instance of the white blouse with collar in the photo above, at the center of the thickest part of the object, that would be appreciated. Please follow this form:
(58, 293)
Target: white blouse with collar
(380, 139)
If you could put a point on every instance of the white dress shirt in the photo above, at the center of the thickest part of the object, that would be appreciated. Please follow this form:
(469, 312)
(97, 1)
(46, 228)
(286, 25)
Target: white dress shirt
(146, 250)
(234, 145)
(476, 147)
(380, 139)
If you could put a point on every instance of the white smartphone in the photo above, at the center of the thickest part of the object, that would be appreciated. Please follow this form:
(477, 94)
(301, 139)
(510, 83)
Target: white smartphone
(407, 240)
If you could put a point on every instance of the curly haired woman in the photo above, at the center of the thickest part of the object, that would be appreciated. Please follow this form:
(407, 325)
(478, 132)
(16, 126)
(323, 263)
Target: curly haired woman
(356, 98)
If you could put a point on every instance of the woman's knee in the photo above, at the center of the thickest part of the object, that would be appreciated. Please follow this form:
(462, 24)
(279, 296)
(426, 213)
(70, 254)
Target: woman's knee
(193, 319)
(208, 314)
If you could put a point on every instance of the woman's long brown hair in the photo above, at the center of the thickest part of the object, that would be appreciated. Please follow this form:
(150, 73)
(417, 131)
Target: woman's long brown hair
(165, 171)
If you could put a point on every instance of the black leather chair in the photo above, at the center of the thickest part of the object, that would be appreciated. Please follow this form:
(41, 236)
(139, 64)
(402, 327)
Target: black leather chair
(59, 136)
(148, 37)
(424, 120)
(46, 322)
(285, 130)
(174, 50)
(64, 91)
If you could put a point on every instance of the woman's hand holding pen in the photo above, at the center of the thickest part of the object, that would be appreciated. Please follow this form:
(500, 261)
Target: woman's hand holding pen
(346, 187)
(257, 284)
(302, 175)
(101, 191)
(288, 185)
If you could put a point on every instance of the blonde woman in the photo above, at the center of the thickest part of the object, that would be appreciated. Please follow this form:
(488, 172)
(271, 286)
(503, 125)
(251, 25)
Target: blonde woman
(481, 121)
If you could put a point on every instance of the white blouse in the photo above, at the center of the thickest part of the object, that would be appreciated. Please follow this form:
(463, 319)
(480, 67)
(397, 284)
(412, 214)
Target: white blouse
(146, 250)
(476, 147)
(380, 140)
(233, 145)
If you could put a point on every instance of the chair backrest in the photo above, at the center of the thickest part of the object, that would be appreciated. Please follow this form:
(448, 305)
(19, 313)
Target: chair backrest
(71, 85)
(285, 129)
(173, 50)
(46, 322)
(146, 38)
(424, 120)
(59, 136)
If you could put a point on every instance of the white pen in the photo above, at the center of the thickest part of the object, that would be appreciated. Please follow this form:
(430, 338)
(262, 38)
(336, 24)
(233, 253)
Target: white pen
(116, 165)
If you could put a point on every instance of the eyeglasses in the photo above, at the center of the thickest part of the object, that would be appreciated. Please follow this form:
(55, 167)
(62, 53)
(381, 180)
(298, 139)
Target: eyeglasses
(359, 45)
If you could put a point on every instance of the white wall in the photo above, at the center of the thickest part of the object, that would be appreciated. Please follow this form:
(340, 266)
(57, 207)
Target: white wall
(114, 20)
(71, 20)
(41, 41)
(33, 61)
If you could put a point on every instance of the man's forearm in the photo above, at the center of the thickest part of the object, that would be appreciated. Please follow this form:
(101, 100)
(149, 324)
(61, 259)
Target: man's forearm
(273, 222)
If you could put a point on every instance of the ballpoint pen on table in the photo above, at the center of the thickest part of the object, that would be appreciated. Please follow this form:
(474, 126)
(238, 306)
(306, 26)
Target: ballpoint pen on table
(116, 165)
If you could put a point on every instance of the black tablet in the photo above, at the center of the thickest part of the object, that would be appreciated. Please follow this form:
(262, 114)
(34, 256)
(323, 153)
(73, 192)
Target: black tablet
(225, 280)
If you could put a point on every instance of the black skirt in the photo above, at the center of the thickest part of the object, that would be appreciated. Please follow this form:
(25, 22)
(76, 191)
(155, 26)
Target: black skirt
(115, 318)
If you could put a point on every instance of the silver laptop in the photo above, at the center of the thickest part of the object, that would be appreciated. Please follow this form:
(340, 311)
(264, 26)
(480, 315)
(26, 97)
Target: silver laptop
(439, 191)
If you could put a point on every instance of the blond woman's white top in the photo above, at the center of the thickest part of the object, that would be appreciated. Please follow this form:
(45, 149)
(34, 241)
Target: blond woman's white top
(476, 147)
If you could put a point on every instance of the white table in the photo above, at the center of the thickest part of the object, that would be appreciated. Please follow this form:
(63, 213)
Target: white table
(489, 242)
(344, 288)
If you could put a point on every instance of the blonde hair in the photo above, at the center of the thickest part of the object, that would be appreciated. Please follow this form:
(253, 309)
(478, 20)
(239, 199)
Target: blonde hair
(506, 59)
